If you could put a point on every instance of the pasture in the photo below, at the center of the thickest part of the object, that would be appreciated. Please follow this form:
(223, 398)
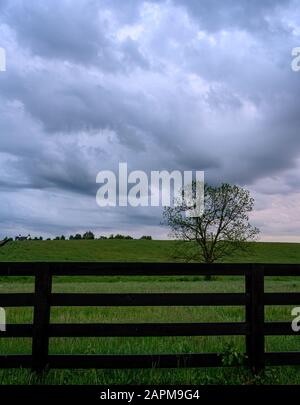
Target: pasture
(148, 251)
(134, 251)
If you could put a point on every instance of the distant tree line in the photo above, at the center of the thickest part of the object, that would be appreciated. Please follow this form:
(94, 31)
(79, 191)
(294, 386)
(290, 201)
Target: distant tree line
(88, 235)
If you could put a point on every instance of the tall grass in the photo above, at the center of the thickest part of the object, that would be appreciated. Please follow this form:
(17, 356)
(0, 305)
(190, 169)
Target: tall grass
(141, 345)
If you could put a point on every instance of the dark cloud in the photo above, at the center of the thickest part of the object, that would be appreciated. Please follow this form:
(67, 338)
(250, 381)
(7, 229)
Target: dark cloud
(79, 34)
(176, 84)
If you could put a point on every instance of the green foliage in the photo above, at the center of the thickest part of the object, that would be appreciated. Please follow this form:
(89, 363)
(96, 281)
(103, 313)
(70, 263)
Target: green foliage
(231, 356)
(221, 231)
(88, 235)
(119, 236)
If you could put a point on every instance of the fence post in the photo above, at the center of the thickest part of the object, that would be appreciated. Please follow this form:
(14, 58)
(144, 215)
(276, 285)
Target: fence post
(255, 342)
(41, 318)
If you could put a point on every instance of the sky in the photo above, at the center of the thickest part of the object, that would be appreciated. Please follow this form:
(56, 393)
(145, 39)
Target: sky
(160, 84)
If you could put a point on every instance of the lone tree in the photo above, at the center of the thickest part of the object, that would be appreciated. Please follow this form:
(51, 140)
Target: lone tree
(223, 228)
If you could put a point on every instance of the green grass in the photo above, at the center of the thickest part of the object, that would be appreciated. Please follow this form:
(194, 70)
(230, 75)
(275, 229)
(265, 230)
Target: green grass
(144, 251)
(88, 250)
(133, 250)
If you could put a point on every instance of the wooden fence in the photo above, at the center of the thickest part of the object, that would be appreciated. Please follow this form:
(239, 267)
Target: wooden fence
(254, 328)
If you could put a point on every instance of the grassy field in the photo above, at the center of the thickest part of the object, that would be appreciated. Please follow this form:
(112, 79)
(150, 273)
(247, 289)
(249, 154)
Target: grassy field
(133, 250)
(128, 250)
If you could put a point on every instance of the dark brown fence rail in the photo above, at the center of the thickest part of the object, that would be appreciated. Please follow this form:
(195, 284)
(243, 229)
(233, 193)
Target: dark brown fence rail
(254, 328)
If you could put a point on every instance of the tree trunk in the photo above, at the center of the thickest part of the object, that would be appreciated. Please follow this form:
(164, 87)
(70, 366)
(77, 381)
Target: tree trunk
(208, 261)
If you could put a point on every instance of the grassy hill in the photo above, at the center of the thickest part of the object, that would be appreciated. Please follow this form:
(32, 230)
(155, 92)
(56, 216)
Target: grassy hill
(133, 250)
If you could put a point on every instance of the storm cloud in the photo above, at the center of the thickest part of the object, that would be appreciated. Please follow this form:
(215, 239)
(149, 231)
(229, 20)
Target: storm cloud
(159, 84)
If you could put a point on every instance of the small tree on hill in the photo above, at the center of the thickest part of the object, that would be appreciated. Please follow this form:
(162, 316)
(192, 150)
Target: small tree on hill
(222, 230)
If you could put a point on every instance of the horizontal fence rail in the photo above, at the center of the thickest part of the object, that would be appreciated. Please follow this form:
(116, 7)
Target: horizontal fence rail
(254, 328)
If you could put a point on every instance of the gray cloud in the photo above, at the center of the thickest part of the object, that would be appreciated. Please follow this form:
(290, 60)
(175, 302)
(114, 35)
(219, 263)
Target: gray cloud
(160, 84)
(249, 15)
(81, 34)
